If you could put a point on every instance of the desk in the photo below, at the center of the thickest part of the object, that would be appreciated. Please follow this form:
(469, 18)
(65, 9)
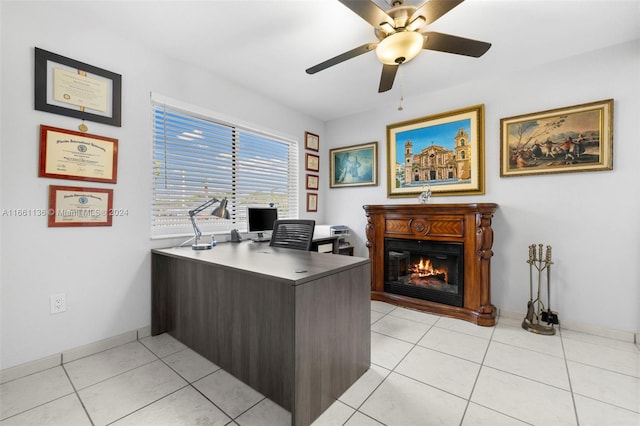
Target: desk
(294, 325)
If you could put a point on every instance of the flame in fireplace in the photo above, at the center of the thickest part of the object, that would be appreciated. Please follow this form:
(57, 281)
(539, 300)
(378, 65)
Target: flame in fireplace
(425, 269)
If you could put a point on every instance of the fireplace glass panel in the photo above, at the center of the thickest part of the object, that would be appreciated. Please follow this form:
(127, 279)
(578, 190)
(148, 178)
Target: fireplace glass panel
(428, 270)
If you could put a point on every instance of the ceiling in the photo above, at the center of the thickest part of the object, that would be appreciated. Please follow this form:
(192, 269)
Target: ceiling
(266, 45)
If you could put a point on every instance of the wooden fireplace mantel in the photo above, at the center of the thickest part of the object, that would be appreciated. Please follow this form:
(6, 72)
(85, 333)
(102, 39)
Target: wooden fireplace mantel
(469, 224)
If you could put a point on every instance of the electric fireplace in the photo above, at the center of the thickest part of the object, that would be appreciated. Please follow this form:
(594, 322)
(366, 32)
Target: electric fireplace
(433, 257)
(428, 270)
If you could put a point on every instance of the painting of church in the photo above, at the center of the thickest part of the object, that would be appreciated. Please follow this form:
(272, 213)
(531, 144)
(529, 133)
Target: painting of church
(436, 163)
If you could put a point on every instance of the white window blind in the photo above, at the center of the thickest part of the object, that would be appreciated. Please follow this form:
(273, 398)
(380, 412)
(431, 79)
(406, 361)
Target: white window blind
(196, 158)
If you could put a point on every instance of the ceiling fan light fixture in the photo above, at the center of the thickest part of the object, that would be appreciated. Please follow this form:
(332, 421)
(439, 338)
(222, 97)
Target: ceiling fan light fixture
(416, 23)
(399, 47)
(387, 28)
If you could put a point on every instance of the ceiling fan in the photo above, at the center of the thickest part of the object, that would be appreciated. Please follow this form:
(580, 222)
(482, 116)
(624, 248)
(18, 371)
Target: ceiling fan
(402, 34)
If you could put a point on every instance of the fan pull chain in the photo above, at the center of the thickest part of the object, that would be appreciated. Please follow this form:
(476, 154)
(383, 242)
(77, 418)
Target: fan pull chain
(400, 108)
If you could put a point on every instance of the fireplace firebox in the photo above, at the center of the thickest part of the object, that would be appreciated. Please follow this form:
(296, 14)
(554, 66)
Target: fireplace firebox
(453, 243)
(428, 270)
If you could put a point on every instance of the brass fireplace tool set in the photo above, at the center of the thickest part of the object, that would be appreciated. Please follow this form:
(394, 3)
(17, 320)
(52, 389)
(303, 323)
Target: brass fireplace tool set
(540, 320)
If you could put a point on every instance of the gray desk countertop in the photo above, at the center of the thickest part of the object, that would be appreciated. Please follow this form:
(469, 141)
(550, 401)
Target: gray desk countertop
(296, 266)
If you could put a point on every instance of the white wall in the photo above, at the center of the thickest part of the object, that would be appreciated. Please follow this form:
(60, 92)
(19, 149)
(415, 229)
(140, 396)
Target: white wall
(591, 220)
(104, 271)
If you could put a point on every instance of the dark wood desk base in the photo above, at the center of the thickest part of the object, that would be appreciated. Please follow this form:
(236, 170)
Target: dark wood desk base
(300, 345)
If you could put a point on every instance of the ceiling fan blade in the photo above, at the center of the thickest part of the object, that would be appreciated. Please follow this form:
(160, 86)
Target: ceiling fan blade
(368, 11)
(342, 57)
(454, 44)
(387, 77)
(434, 9)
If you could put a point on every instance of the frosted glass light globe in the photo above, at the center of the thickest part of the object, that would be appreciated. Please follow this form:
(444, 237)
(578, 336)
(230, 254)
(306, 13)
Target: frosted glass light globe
(399, 47)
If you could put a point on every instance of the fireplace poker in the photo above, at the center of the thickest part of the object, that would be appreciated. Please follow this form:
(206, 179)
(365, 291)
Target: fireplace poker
(535, 308)
(549, 316)
(529, 317)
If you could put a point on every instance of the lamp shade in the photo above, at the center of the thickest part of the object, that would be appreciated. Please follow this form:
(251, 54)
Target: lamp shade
(221, 211)
(399, 47)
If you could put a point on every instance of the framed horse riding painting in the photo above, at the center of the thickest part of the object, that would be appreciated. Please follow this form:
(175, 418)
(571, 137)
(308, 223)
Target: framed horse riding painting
(571, 139)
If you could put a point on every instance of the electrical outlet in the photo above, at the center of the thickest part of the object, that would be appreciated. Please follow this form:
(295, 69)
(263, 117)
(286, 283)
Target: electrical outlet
(58, 303)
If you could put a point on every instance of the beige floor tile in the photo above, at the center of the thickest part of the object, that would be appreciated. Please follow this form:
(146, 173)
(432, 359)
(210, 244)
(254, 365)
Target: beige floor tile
(400, 400)
(400, 328)
(190, 365)
(462, 345)
(530, 401)
(477, 415)
(184, 407)
(163, 345)
(336, 415)
(604, 385)
(264, 413)
(65, 411)
(596, 413)
(443, 371)
(121, 395)
(104, 365)
(602, 356)
(33, 390)
(387, 351)
(527, 363)
(230, 394)
(464, 327)
(364, 386)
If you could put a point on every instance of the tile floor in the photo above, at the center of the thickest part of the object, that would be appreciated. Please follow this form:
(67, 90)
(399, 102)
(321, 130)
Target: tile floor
(426, 370)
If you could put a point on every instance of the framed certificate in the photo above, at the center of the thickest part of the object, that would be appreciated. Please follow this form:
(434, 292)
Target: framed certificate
(312, 182)
(312, 202)
(312, 162)
(74, 206)
(66, 154)
(311, 141)
(68, 87)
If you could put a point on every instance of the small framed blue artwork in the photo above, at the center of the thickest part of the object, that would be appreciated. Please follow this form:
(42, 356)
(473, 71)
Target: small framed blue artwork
(355, 165)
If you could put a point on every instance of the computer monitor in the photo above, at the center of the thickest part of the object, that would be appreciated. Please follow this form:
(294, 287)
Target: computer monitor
(261, 219)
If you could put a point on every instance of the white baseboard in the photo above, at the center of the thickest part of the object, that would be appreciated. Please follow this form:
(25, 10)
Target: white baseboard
(31, 367)
(21, 370)
(625, 336)
(144, 332)
(99, 346)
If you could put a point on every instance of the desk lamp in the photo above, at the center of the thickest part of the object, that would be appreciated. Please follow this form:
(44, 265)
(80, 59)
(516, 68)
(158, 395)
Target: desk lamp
(220, 211)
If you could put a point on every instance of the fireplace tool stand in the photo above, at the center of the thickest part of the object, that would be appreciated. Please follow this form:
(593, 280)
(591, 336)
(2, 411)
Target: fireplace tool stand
(538, 319)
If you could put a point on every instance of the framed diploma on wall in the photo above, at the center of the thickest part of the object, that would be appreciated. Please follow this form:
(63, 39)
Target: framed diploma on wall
(68, 87)
(312, 162)
(311, 141)
(75, 206)
(312, 182)
(66, 154)
(312, 202)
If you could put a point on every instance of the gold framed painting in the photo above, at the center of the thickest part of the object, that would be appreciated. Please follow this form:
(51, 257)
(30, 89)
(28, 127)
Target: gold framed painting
(578, 138)
(355, 165)
(444, 152)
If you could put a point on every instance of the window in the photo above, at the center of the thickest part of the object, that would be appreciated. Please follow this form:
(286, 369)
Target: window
(197, 157)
